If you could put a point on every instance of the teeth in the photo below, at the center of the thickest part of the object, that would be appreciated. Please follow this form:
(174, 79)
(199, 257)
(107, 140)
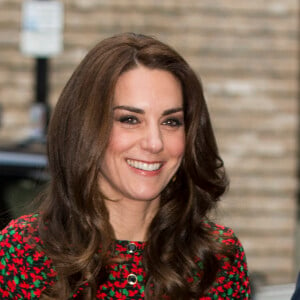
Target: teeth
(143, 166)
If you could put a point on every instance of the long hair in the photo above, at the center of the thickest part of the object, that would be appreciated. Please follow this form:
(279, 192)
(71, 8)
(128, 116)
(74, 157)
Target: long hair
(74, 221)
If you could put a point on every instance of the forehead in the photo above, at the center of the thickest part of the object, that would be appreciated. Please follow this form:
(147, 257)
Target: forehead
(144, 87)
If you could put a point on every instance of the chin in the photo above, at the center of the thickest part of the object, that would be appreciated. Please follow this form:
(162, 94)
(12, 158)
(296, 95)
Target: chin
(146, 196)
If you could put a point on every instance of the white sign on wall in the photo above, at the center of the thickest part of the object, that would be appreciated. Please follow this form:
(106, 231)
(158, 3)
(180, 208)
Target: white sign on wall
(42, 28)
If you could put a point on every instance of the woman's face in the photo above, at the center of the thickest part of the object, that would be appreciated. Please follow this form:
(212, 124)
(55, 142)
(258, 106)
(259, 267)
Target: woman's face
(148, 139)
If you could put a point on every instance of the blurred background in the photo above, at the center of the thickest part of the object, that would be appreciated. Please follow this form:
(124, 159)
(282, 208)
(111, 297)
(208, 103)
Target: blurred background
(247, 56)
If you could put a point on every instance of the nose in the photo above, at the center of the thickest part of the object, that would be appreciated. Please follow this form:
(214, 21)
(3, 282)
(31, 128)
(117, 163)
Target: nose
(152, 139)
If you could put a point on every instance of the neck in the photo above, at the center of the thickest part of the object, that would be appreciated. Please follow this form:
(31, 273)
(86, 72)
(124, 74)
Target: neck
(130, 219)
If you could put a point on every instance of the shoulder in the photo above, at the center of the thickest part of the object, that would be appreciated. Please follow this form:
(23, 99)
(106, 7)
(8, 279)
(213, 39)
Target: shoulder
(224, 235)
(20, 235)
(218, 230)
(21, 225)
(232, 280)
(24, 268)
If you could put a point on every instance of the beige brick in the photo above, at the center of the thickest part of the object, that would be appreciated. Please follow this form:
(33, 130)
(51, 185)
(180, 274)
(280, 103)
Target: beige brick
(12, 58)
(68, 59)
(258, 204)
(53, 97)
(86, 41)
(243, 101)
(238, 23)
(59, 79)
(10, 17)
(10, 3)
(15, 96)
(280, 122)
(285, 165)
(253, 89)
(249, 144)
(15, 118)
(277, 268)
(263, 246)
(263, 183)
(251, 66)
(10, 77)
(242, 45)
(9, 37)
(261, 225)
(12, 135)
(270, 7)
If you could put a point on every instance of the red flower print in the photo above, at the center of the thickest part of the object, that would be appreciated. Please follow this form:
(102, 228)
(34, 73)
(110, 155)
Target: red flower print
(11, 285)
(25, 271)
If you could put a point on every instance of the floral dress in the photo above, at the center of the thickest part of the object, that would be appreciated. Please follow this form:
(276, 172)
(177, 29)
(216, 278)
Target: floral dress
(25, 271)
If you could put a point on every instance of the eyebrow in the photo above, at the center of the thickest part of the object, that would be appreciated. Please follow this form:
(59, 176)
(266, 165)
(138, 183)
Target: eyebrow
(141, 111)
(130, 108)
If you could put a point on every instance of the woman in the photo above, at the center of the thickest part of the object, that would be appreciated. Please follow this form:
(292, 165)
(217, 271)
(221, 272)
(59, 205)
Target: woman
(135, 172)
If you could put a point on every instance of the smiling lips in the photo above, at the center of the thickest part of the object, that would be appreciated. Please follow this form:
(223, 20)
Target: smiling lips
(143, 165)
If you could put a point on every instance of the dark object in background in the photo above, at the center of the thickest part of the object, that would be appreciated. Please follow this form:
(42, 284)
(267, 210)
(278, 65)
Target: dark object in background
(23, 173)
(296, 295)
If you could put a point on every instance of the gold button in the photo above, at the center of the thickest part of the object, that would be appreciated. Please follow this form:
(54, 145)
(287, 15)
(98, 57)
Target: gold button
(132, 279)
(131, 248)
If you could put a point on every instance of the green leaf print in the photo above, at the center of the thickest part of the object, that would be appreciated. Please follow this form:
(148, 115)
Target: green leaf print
(125, 292)
(29, 260)
(16, 280)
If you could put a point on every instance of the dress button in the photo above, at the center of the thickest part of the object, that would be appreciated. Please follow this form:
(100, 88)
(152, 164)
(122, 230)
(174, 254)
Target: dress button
(131, 247)
(132, 279)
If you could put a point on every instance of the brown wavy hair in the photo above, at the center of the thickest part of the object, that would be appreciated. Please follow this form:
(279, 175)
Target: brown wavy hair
(74, 222)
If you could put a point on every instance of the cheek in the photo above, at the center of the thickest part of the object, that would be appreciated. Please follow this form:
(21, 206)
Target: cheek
(119, 142)
(176, 146)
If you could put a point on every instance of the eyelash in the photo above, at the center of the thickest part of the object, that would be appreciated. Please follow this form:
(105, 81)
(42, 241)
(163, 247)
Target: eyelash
(173, 122)
(129, 120)
(132, 120)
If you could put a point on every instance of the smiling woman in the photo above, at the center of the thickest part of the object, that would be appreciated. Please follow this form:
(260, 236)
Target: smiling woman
(135, 172)
(147, 139)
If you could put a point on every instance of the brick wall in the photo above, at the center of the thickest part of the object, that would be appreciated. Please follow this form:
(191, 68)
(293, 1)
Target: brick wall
(246, 53)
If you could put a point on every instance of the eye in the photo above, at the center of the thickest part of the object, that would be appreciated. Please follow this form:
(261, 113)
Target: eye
(129, 120)
(173, 122)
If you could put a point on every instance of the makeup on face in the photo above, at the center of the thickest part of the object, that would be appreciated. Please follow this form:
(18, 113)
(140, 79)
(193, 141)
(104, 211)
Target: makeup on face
(148, 139)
